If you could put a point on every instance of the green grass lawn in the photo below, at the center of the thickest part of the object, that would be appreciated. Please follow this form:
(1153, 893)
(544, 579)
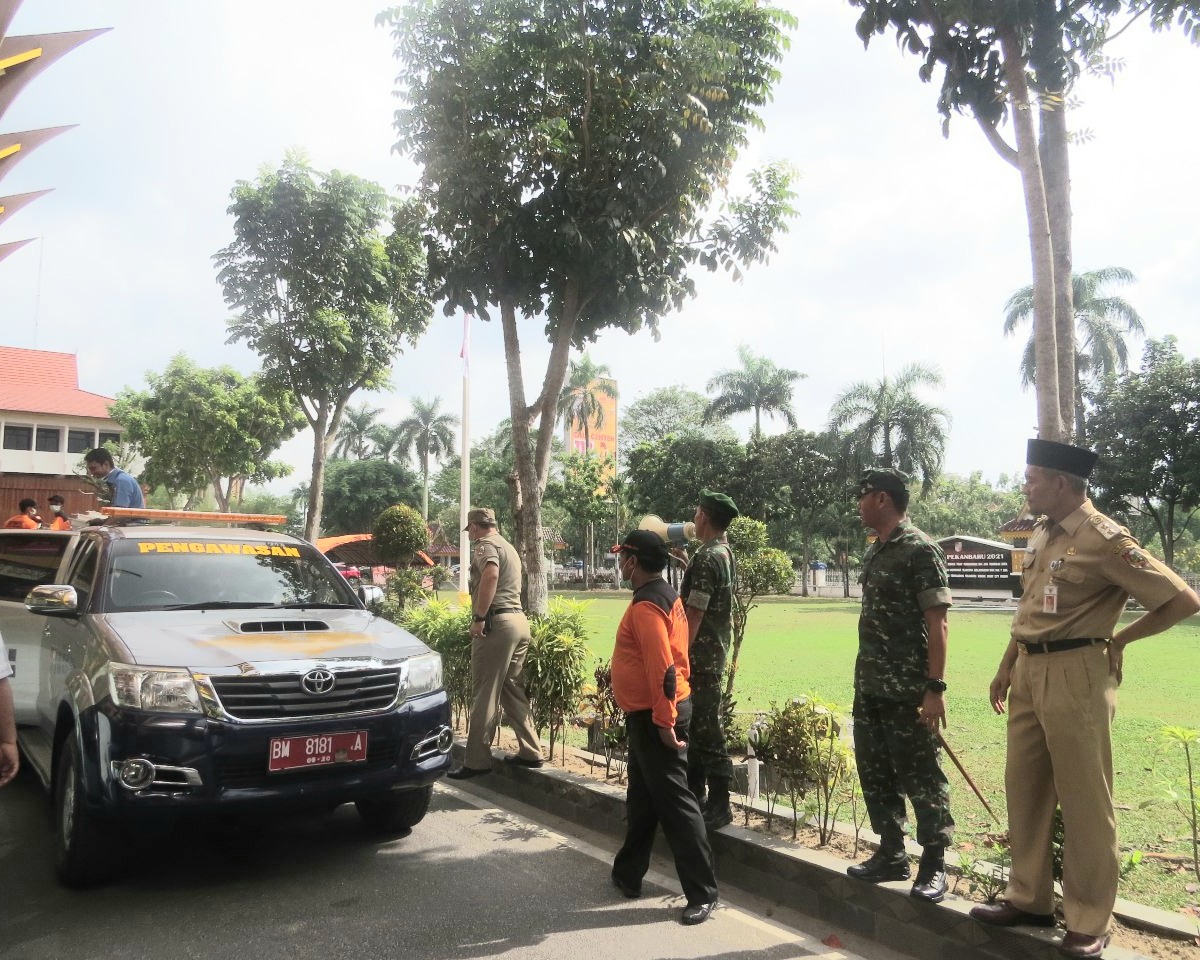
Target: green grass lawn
(795, 646)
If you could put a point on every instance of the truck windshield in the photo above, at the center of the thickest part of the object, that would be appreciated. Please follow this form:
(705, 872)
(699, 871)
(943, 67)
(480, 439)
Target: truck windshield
(196, 574)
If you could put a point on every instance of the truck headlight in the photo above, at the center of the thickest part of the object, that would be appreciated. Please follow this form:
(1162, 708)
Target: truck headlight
(158, 688)
(423, 674)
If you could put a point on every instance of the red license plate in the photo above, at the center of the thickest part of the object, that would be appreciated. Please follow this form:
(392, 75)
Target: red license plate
(318, 750)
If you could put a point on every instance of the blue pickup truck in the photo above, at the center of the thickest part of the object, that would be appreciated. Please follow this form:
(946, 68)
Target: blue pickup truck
(177, 671)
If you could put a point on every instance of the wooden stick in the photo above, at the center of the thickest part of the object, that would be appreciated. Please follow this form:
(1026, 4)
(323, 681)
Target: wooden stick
(966, 776)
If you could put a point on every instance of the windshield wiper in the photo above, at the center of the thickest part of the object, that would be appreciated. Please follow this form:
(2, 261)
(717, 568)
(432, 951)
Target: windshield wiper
(222, 605)
(316, 605)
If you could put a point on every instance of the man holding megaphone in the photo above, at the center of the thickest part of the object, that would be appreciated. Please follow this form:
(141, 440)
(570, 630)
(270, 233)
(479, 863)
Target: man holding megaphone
(707, 594)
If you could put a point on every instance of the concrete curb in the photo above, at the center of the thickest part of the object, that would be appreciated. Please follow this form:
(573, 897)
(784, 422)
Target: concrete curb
(813, 882)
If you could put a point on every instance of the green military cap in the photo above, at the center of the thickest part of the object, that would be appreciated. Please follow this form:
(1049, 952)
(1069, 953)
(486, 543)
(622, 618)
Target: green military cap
(484, 516)
(882, 478)
(720, 508)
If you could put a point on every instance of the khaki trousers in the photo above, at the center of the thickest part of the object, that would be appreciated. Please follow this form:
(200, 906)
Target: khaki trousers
(1060, 709)
(497, 659)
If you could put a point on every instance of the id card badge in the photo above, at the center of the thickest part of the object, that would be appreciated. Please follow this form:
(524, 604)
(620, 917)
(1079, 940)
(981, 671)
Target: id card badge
(1050, 598)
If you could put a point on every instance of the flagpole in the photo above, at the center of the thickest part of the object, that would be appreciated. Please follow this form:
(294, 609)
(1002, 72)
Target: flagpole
(464, 483)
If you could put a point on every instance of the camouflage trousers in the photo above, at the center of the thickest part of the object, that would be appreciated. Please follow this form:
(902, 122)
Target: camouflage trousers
(897, 757)
(706, 746)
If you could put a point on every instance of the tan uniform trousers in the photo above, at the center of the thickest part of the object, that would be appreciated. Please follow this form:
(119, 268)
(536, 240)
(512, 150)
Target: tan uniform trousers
(497, 659)
(1060, 708)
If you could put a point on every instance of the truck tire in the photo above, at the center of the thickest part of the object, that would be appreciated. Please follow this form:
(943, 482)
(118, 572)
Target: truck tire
(84, 850)
(394, 812)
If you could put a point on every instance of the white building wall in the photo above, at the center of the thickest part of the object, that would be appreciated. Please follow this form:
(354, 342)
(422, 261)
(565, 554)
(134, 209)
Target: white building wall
(90, 432)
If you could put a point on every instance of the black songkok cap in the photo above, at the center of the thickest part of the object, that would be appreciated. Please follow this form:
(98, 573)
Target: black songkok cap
(1050, 455)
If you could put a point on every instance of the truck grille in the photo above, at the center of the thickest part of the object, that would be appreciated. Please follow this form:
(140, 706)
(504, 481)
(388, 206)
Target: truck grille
(245, 771)
(280, 696)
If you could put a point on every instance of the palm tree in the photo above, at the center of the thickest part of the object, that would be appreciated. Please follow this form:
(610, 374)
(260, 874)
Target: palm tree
(887, 423)
(1102, 325)
(759, 385)
(580, 400)
(354, 435)
(430, 434)
(388, 445)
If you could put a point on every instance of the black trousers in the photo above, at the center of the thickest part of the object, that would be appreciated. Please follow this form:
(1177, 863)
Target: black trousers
(659, 793)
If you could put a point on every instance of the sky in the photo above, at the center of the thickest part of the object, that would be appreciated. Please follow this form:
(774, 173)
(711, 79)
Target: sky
(906, 247)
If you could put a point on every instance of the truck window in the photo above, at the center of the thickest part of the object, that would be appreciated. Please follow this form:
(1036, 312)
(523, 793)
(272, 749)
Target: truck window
(83, 571)
(28, 561)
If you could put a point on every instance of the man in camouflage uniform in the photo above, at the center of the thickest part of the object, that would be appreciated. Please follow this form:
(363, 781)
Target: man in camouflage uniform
(707, 594)
(899, 688)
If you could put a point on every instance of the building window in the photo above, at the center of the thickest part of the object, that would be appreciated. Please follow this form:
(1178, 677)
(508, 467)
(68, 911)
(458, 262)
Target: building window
(48, 440)
(109, 438)
(80, 441)
(18, 438)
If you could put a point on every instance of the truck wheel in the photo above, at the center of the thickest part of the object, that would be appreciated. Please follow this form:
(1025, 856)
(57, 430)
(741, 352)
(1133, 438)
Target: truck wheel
(83, 848)
(394, 812)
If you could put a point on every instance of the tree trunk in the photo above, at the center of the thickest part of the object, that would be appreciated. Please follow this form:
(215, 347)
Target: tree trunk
(1050, 425)
(1056, 172)
(316, 486)
(425, 489)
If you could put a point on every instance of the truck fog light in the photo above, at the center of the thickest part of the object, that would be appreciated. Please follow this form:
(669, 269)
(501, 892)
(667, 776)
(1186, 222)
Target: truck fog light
(136, 774)
(445, 740)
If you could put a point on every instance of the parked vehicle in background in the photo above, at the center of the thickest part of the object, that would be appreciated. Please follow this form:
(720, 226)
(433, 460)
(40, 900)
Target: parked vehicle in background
(349, 571)
(178, 671)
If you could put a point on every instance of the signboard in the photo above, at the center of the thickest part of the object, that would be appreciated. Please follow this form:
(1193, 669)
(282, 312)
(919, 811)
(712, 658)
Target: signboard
(601, 429)
(977, 564)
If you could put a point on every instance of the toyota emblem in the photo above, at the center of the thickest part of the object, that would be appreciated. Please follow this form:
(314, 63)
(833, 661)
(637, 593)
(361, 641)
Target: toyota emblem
(317, 682)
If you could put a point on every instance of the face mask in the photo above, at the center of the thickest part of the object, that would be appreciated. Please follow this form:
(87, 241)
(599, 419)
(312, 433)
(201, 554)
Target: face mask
(56, 508)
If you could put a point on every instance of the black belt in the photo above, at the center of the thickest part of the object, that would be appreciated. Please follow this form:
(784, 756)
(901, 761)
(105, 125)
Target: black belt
(1057, 646)
(496, 610)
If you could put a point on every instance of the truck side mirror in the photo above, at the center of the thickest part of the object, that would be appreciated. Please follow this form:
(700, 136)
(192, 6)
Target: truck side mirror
(53, 600)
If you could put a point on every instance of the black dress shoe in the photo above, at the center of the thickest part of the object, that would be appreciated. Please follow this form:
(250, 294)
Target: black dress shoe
(632, 891)
(881, 867)
(1082, 945)
(715, 819)
(1004, 914)
(930, 885)
(516, 760)
(466, 773)
(695, 913)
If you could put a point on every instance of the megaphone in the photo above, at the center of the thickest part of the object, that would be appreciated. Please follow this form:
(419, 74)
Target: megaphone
(674, 533)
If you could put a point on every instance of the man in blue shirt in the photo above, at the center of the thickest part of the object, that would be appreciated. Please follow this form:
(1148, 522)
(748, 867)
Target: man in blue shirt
(125, 490)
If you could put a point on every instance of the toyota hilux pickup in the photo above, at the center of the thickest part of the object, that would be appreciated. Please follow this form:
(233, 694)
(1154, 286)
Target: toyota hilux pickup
(175, 671)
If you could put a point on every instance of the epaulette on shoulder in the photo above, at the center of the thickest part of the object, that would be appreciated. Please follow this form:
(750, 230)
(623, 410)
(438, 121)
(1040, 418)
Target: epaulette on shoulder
(1107, 528)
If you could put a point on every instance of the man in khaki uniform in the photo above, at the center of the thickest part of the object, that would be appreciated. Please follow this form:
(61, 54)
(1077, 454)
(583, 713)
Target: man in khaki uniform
(499, 642)
(1059, 675)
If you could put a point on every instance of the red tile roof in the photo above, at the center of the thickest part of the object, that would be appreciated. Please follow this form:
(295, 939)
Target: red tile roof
(41, 381)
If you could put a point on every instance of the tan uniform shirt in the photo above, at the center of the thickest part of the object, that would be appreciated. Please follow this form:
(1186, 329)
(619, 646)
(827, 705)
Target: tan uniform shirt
(495, 549)
(1078, 574)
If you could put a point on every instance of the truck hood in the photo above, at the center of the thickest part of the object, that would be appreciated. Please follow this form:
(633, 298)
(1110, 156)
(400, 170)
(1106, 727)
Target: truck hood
(204, 640)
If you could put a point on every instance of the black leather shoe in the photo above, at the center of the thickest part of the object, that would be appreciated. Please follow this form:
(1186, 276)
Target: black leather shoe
(881, 867)
(466, 773)
(1004, 914)
(695, 913)
(718, 818)
(517, 760)
(630, 890)
(930, 885)
(1082, 945)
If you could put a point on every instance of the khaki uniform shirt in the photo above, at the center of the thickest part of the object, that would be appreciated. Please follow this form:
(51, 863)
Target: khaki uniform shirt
(495, 549)
(1077, 575)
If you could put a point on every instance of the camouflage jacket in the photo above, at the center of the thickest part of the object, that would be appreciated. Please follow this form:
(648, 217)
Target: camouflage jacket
(901, 578)
(708, 586)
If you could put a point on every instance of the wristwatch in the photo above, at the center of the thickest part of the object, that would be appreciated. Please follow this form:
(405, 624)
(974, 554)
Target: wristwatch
(478, 619)
(935, 685)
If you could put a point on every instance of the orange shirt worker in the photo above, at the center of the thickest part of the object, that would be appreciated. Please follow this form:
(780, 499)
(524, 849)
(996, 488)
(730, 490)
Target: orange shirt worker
(61, 521)
(27, 519)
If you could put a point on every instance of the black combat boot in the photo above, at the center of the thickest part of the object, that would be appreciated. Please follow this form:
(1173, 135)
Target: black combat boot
(931, 875)
(717, 812)
(889, 862)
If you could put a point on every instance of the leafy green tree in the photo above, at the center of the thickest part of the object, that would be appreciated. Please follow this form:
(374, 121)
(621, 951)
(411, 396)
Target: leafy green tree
(429, 433)
(664, 411)
(666, 478)
(322, 295)
(355, 436)
(1145, 428)
(761, 570)
(1102, 325)
(357, 490)
(1019, 61)
(967, 506)
(570, 150)
(581, 400)
(887, 423)
(200, 427)
(581, 490)
(759, 385)
(399, 532)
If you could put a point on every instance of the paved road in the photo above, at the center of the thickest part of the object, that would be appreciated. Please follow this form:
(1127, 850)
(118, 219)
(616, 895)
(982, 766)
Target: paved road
(473, 880)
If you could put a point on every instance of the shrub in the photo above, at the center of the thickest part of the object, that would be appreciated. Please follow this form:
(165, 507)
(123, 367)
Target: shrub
(600, 713)
(399, 533)
(448, 631)
(554, 666)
